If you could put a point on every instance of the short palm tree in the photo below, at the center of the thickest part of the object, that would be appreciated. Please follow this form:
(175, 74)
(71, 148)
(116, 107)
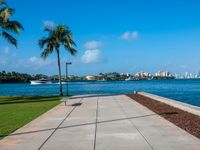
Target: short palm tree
(57, 36)
(6, 25)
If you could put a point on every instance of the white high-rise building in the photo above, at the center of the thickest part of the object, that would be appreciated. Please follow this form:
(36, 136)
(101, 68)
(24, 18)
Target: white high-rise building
(163, 74)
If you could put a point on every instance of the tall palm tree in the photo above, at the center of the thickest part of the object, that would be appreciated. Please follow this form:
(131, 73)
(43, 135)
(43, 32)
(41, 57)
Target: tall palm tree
(6, 25)
(57, 36)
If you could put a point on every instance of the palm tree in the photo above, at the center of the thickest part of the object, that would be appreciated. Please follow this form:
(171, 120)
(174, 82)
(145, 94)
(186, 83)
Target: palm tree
(57, 36)
(6, 25)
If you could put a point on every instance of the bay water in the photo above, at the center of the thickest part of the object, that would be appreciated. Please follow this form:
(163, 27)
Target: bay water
(185, 90)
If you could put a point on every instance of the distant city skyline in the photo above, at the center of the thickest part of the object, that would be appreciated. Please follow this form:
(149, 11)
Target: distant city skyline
(159, 73)
(111, 36)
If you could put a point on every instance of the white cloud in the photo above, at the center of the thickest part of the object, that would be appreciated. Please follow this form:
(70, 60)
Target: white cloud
(93, 52)
(32, 64)
(33, 59)
(49, 24)
(36, 63)
(93, 44)
(129, 35)
(91, 56)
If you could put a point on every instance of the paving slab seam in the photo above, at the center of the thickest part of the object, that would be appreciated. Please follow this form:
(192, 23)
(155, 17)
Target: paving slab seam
(135, 126)
(58, 126)
(95, 133)
(99, 122)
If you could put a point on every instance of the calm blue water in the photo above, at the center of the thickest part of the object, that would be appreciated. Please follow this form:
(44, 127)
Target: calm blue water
(187, 91)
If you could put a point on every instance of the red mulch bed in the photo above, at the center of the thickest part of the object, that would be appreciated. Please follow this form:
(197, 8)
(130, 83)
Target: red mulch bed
(185, 120)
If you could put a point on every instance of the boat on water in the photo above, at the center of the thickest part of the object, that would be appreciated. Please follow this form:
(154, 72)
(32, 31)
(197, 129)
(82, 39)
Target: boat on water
(41, 81)
(131, 79)
(63, 82)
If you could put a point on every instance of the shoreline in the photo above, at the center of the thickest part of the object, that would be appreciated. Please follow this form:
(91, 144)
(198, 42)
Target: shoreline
(188, 121)
(162, 79)
(175, 103)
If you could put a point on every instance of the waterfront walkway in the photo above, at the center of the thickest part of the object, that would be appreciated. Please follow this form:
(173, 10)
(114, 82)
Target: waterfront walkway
(92, 122)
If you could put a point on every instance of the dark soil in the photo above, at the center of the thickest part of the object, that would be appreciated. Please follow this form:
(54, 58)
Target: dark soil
(185, 120)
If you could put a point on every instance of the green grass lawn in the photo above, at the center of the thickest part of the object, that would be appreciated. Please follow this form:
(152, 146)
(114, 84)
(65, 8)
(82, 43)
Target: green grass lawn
(18, 111)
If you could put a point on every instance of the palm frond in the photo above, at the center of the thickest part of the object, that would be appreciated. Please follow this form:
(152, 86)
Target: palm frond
(13, 26)
(9, 38)
(70, 40)
(3, 2)
(47, 51)
(71, 49)
(60, 35)
(6, 12)
(6, 25)
(44, 41)
(44, 54)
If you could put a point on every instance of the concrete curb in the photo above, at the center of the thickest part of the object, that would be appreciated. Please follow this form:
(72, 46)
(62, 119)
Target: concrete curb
(186, 107)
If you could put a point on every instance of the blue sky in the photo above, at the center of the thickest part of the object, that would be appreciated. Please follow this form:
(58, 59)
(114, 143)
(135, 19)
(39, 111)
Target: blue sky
(123, 36)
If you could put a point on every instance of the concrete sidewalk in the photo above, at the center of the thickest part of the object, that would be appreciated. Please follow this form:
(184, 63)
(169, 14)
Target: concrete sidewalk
(100, 123)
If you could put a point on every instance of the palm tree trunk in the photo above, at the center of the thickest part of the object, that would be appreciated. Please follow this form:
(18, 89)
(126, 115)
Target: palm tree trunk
(59, 71)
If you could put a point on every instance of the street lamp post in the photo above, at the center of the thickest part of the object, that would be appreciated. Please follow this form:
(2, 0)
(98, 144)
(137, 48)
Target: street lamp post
(67, 63)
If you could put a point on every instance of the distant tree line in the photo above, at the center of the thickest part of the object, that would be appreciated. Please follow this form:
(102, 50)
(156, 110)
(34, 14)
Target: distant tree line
(15, 77)
(111, 76)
